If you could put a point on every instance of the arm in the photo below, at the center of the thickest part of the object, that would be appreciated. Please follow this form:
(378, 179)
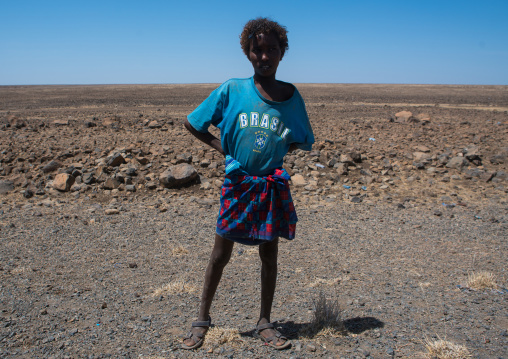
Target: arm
(292, 147)
(205, 137)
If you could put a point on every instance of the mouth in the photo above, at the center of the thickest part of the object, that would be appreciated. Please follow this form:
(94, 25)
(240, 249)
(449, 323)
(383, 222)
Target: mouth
(264, 67)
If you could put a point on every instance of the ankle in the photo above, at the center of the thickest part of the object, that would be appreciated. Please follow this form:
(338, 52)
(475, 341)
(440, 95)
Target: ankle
(263, 320)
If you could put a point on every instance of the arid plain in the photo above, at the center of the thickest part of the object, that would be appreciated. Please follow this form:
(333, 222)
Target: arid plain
(102, 251)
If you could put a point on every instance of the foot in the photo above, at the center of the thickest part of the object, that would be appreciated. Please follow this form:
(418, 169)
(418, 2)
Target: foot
(196, 336)
(272, 336)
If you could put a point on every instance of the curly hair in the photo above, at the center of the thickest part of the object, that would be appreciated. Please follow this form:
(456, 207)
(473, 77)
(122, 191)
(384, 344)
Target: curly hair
(263, 25)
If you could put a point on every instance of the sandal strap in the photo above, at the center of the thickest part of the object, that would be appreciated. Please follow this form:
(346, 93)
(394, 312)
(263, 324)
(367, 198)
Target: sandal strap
(203, 323)
(197, 335)
(262, 327)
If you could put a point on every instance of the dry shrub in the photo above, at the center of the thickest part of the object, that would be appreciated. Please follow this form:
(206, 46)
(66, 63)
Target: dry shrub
(326, 320)
(218, 336)
(176, 287)
(481, 280)
(442, 349)
(179, 251)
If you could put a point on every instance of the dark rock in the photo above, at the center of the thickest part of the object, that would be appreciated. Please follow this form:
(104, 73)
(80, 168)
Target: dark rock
(28, 193)
(356, 156)
(115, 160)
(51, 166)
(88, 178)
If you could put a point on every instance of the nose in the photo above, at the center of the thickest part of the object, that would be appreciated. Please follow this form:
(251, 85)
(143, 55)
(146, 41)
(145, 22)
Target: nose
(264, 56)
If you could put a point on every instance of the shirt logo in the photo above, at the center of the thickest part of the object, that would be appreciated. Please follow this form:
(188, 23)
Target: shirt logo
(260, 141)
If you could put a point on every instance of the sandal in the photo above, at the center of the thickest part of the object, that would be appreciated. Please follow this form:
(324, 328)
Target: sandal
(200, 337)
(272, 341)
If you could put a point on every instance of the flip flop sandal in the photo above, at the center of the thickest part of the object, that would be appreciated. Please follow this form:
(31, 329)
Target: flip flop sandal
(200, 337)
(271, 341)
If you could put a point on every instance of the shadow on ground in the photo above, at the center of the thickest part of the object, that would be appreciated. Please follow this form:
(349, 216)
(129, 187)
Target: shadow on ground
(356, 325)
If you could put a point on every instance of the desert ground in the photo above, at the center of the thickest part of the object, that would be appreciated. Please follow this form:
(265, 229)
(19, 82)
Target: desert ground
(108, 208)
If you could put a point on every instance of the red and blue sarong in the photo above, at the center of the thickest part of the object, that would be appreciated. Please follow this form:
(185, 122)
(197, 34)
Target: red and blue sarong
(255, 209)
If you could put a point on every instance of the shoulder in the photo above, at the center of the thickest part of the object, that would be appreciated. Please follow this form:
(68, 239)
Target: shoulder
(233, 85)
(234, 82)
(288, 90)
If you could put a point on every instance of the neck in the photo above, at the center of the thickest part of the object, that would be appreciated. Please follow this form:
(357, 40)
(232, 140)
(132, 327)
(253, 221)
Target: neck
(265, 81)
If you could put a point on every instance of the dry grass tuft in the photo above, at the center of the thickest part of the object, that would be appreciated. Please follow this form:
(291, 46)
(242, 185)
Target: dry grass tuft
(321, 281)
(179, 251)
(176, 287)
(481, 280)
(218, 336)
(327, 319)
(442, 349)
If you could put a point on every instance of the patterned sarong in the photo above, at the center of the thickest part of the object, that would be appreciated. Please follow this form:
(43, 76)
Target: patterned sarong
(255, 209)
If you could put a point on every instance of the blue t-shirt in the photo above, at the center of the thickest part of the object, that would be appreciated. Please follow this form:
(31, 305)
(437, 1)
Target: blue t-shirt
(255, 131)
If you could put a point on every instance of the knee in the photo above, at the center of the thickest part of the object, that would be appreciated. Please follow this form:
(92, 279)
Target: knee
(268, 258)
(220, 259)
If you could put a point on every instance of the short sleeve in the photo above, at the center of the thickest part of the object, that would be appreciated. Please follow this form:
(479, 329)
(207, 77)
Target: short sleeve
(305, 137)
(210, 111)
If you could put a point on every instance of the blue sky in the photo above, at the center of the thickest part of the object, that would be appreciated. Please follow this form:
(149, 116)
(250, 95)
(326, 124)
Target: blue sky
(131, 42)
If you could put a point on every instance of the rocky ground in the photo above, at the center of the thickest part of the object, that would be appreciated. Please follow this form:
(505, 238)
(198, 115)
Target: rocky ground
(108, 205)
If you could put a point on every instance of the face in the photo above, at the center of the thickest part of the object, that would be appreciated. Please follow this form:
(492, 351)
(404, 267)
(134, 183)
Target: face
(265, 54)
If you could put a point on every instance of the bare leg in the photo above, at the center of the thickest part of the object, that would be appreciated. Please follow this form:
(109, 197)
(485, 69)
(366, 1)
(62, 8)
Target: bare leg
(220, 256)
(268, 253)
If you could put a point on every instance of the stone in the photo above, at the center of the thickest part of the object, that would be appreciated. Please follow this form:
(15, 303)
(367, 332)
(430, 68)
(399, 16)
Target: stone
(130, 188)
(500, 157)
(51, 166)
(6, 186)
(487, 176)
(183, 158)
(154, 124)
(88, 178)
(142, 160)
(422, 148)
(61, 122)
(111, 211)
(472, 154)
(473, 172)
(457, 163)
(16, 122)
(63, 182)
(421, 157)
(424, 117)
(178, 175)
(356, 157)
(111, 183)
(115, 160)
(130, 171)
(298, 180)
(346, 158)
(341, 169)
(403, 116)
(331, 162)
